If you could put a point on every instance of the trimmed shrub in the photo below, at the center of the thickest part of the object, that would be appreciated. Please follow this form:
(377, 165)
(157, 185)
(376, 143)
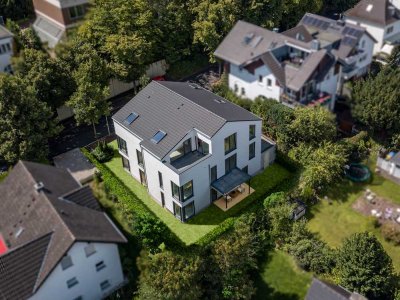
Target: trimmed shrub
(391, 232)
(103, 152)
(274, 199)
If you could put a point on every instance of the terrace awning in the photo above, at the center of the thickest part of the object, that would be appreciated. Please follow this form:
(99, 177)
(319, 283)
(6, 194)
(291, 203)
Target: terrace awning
(230, 181)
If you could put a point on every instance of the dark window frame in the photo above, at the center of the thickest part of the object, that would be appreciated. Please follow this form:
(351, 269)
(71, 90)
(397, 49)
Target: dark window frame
(174, 188)
(139, 157)
(160, 180)
(231, 166)
(184, 210)
(125, 163)
(232, 144)
(122, 146)
(100, 266)
(72, 282)
(252, 150)
(105, 285)
(184, 199)
(213, 178)
(252, 131)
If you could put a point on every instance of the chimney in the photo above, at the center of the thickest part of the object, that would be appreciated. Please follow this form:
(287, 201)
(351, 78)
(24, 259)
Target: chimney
(315, 44)
(39, 186)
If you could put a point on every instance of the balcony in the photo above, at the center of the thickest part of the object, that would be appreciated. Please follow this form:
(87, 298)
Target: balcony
(187, 160)
(313, 99)
(353, 59)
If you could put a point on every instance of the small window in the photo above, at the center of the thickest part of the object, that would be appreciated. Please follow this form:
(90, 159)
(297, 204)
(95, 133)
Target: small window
(363, 44)
(160, 180)
(389, 30)
(243, 92)
(158, 137)
(66, 262)
(129, 119)
(72, 282)
(105, 285)
(177, 211)
(90, 250)
(100, 266)
(175, 191)
(260, 78)
(122, 145)
(269, 82)
(78, 298)
(76, 12)
(188, 210)
(139, 155)
(252, 132)
(230, 143)
(252, 150)
(125, 163)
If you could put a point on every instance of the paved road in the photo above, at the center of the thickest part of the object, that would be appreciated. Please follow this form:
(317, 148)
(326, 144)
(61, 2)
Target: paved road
(74, 136)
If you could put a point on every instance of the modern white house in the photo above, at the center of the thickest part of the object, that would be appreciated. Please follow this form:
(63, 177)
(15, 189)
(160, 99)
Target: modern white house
(381, 18)
(390, 163)
(302, 66)
(55, 240)
(188, 145)
(6, 49)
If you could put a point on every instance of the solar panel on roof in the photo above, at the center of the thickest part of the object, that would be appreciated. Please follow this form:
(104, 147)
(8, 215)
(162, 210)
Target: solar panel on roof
(325, 26)
(352, 32)
(158, 137)
(307, 20)
(129, 119)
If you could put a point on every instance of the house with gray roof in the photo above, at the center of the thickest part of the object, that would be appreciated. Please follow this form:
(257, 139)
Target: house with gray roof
(381, 18)
(55, 240)
(6, 49)
(301, 66)
(188, 146)
(323, 290)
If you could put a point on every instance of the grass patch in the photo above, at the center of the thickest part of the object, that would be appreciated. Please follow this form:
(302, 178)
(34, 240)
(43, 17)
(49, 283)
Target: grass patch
(188, 66)
(212, 217)
(3, 175)
(281, 279)
(336, 221)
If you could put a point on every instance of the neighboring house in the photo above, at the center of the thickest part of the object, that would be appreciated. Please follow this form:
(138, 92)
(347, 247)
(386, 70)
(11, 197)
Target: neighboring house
(351, 45)
(6, 49)
(55, 241)
(55, 17)
(390, 163)
(291, 70)
(322, 290)
(188, 145)
(381, 18)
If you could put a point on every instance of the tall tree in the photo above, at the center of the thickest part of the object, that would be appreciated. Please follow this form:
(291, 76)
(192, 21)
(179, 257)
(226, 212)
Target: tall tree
(48, 76)
(25, 124)
(293, 11)
(168, 275)
(376, 101)
(363, 266)
(16, 9)
(24, 38)
(121, 32)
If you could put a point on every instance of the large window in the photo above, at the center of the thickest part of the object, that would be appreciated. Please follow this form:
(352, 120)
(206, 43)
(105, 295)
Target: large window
(125, 163)
(139, 155)
(181, 151)
(202, 146)
(252, 150)
(188, 210)
(5, 48)
(252, 132)
(230, 163)
(77, 12)
(175, 191)
(184, 192)
(122, 145)
(177, 211)
(230, 143)
(187, 191)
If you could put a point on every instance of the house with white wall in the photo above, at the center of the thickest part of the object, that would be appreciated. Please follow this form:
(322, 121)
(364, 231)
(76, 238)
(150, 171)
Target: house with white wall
(6, 49)
(381, 18)
(188, 146)
(302, 66)
(55, 240)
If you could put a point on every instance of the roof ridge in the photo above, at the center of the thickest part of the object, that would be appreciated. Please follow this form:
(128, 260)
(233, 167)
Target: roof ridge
(37, 284)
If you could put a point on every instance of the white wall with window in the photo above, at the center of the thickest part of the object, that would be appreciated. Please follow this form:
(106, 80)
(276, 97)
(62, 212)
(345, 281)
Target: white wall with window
(88, 270)
(261, 83)
(6, 52)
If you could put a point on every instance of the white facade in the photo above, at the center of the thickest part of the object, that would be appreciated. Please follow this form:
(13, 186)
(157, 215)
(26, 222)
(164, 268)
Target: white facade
(91, 273)
(198, 171)
(388, 166)
(6, 52)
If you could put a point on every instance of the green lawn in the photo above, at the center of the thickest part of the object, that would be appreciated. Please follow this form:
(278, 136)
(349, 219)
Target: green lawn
(211, 217)
(338, 220)
(281, 279)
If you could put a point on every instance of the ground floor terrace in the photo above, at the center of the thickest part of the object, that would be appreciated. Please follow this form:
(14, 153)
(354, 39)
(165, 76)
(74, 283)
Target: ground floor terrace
(212, 217)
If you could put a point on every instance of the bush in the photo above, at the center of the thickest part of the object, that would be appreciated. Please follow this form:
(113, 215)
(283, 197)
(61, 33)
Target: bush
(103, 152)
(391, 232)
(358, 146)
(274, 199)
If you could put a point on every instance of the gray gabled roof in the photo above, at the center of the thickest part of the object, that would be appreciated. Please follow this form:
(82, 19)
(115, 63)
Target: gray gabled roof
(374, 11)
(27, 214)
(5, 33)
(327, 291)
(176, 108)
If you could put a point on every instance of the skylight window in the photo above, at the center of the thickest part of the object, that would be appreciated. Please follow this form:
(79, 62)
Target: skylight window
(158, 137)
(369, 7)
(132, 117)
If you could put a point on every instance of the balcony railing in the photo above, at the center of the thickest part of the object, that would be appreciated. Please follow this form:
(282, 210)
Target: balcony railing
(314, 99)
